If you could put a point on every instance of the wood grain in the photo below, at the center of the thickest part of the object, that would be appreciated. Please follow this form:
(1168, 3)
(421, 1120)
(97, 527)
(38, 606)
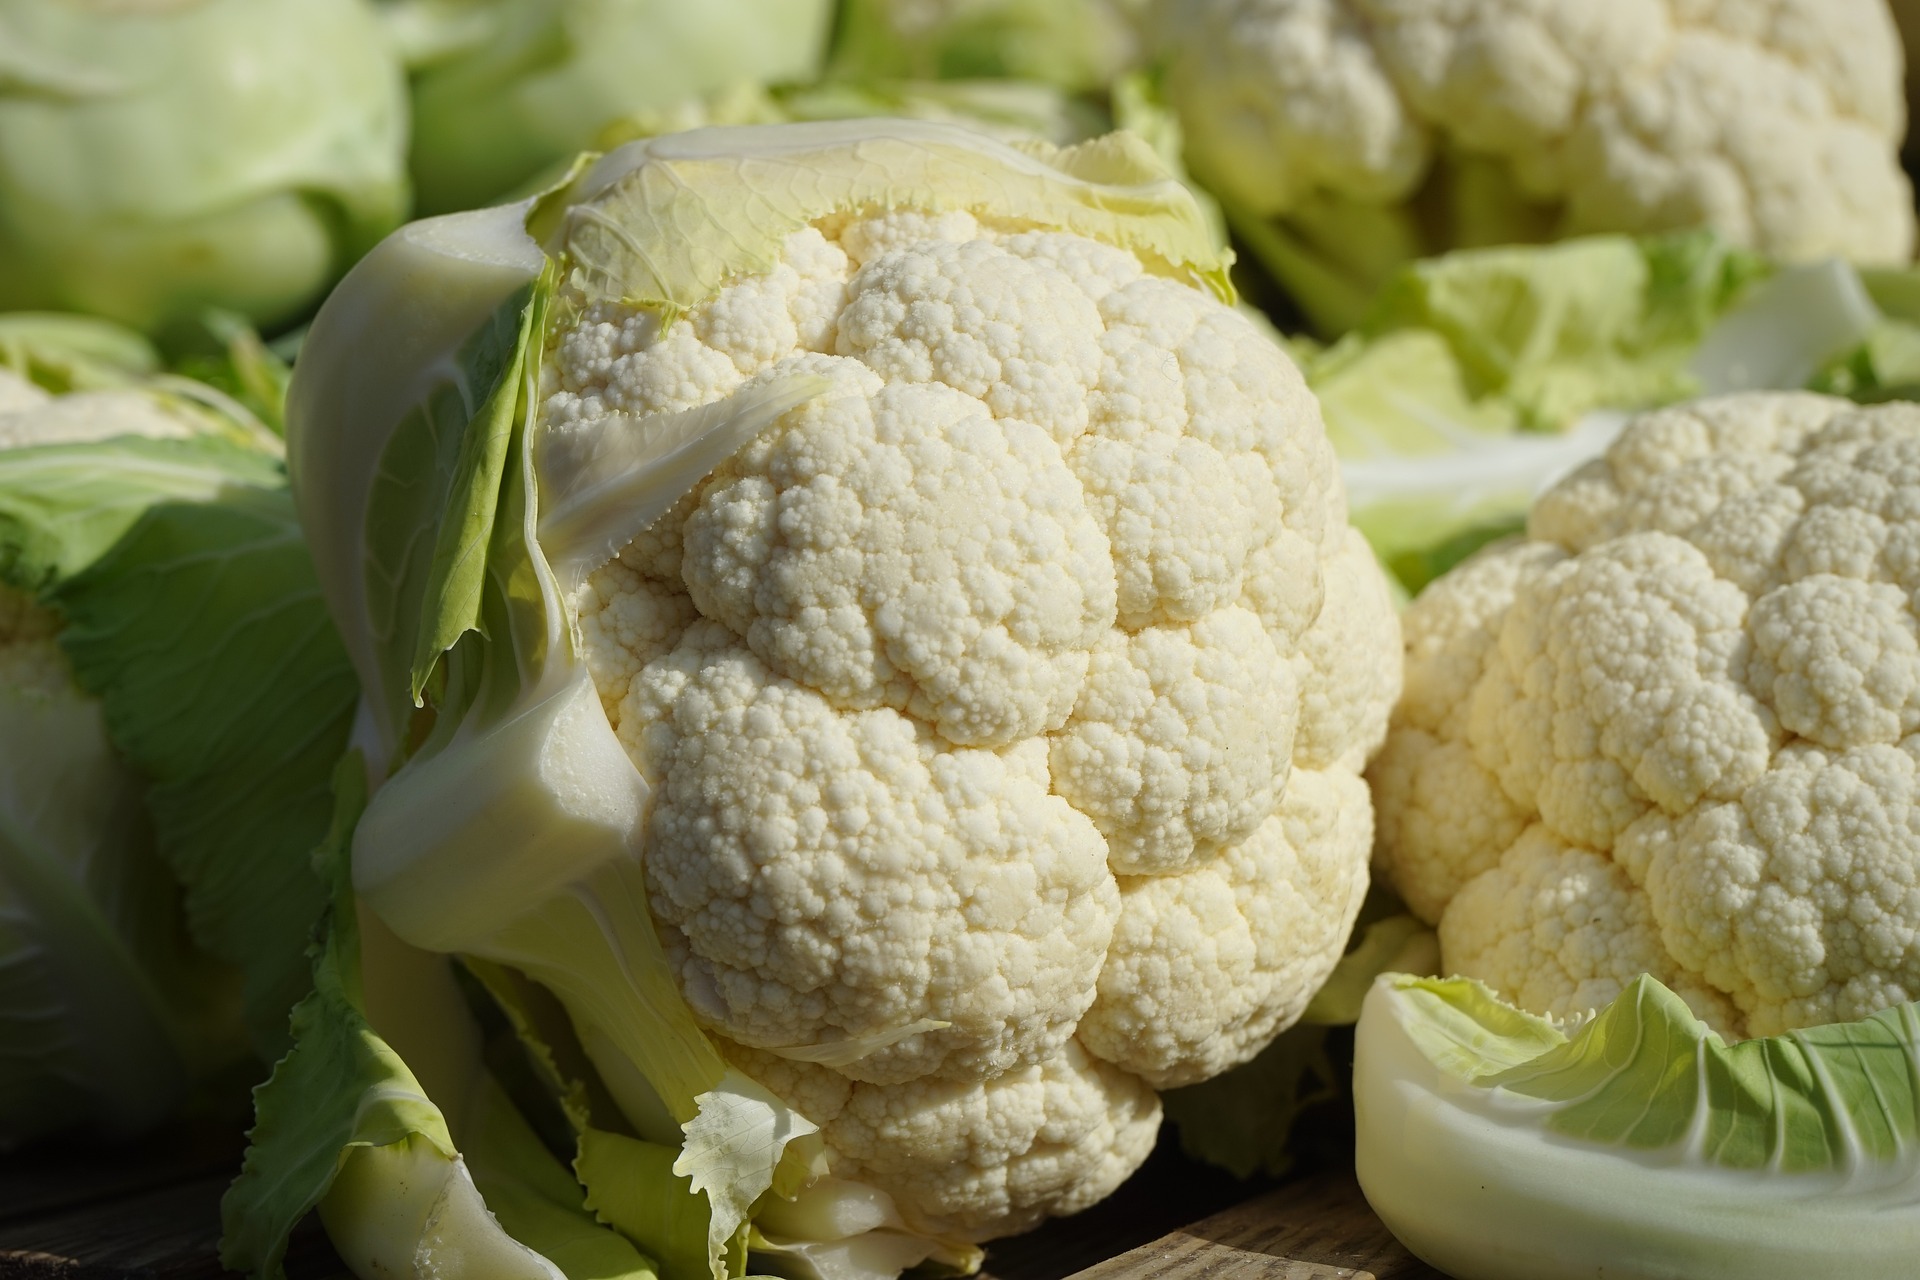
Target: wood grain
(169, 1231)
(1316, 1228)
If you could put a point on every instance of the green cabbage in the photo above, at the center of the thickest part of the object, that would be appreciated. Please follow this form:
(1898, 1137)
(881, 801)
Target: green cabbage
(502, 89)
(1499, 1146)
(157, 158)
(172, 698)
(1077, 44)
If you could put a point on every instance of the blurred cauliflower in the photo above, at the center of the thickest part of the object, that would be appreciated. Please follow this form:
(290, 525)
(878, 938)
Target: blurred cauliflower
(1378, 130)
(160, 159)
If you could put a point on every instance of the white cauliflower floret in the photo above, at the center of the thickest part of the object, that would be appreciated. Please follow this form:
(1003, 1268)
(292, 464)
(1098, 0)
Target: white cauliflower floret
(1004, 703)
(971, 527)
(1339, 660)
(1013, 332)
(1450, 820)
(825, 876)
(1051, 1137)
(1776, 122)
(1283, 98)
(1252, 933)
(1697, 689)
(1182, 741)
(1802, 899)
(1584, 932)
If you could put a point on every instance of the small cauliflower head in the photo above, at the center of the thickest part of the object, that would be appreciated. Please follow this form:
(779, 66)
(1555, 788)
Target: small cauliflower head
(1676, 728)
(1775, 122)
(1003, 704)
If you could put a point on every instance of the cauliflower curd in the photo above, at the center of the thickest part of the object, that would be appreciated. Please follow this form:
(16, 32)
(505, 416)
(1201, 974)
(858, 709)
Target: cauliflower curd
(1003, 705)
(1381, 130)
(1676, 730)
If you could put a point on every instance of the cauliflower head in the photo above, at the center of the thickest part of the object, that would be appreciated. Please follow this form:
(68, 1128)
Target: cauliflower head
(918, 694)
(1676, 728)
(1004, 704)
(1775, 122)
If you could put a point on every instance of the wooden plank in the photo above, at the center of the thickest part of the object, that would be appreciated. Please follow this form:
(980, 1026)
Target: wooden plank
(49, 1177)
(163, 1233)
(1316, 1228)
(76, 1219)
(170, 1233)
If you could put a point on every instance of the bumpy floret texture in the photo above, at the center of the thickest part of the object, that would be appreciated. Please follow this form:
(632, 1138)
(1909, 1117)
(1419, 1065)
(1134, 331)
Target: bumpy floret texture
(1777, 122)
(1675, 729)
(1004, 704)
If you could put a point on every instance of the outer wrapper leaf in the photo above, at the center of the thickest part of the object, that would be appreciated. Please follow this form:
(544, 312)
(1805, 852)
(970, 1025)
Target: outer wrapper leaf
(318, 1104)
(727, 199)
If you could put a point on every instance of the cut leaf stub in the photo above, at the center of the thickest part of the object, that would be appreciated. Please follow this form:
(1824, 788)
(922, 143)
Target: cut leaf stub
(1499, 1147)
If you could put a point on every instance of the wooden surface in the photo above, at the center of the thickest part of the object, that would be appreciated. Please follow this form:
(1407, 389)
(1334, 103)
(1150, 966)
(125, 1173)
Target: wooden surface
(1314, 1228)
(152, 1212)
(142, 1211)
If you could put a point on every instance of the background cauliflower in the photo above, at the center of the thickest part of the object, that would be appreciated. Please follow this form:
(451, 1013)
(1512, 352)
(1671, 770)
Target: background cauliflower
(1004, 704)
(1776, 123)
(1675, 729)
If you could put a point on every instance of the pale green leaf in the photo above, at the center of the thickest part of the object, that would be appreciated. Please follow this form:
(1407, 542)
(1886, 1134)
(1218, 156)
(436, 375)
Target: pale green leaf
(542, 1207)
(64, 352)
(63, 506)
(1243, 1120)
(732, 1149)
(203, 633)
(339, 1087)
(632, 1185)
(716, 203)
